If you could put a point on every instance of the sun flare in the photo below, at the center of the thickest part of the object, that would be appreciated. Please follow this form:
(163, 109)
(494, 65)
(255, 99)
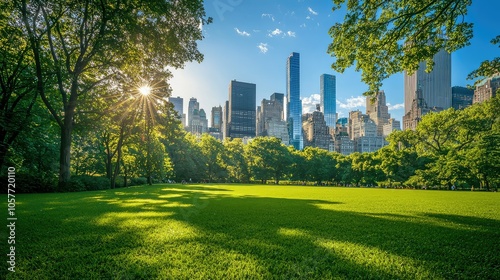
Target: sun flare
(145, 90)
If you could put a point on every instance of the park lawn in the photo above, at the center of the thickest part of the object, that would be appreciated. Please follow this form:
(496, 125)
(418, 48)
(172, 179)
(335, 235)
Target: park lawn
(223, 231)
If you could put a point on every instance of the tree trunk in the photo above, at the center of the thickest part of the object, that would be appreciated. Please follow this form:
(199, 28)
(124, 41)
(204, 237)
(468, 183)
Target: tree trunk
(66, 130)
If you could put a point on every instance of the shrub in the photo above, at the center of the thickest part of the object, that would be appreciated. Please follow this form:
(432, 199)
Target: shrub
(33, 183)
(89, 183)
(138, 181)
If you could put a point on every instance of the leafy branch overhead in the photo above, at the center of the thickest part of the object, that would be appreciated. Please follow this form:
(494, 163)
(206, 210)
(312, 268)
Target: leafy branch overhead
(382, 38)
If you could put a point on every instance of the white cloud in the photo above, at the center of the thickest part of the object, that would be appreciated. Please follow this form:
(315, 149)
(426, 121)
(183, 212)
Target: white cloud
(269, 16)
(278, 32)
(275, 32)
(352, 102)
(242, 33)
(313, 12)
(263, 47)
(309, 103)
(396, 106)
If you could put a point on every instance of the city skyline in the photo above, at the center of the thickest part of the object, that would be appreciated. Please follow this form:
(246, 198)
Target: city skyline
(248, 41)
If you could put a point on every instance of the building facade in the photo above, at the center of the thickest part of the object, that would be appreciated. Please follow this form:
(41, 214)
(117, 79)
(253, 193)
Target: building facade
(328, 99)
(435, 87)
(461, 97)
(242, 114)
(377, 110)
(316, 132)
(270, 120)
(294, 104)
(487, 89)
(217, 118)
(178, 103)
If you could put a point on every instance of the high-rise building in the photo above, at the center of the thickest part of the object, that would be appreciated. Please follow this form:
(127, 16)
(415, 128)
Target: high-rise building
(363, 131)
(242, 112)
(270, 121)
(316, 132)
(280, 97)
(199, 122)
(217, 117)
(461, 97)
(192, 106)
(435, 87)
(378, 111)
(178, 103)
(343, 144)
(328, 96)
(487, 89)
(418, 109)
(225, 121)
(294, 104)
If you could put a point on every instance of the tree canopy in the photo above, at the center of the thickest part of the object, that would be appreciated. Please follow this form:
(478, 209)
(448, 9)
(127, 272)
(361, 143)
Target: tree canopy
(382, 38)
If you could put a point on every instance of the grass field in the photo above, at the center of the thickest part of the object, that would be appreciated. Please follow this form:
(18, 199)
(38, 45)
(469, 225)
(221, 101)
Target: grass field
(256, 232)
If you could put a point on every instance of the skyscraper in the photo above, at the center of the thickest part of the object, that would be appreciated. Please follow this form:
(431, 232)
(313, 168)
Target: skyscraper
(192, 106)
(242, 110)
(435, 87)
(178, 103)
(294, 104)
(328, 95)
(217, 117)
(378, 111)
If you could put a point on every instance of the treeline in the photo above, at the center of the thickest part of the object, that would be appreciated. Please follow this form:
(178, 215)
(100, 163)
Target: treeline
(450, 148)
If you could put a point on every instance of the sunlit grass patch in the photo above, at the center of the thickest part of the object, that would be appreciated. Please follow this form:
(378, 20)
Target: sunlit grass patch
(257, 232)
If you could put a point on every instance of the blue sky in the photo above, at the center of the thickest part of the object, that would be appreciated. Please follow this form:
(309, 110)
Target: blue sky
(249, 40)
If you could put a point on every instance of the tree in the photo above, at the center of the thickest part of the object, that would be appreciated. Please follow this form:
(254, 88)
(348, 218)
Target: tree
(213, 152)
(235, 161)
(387, 37)
(267, 158)
(91, 43)
(320, 164)
(17, 88)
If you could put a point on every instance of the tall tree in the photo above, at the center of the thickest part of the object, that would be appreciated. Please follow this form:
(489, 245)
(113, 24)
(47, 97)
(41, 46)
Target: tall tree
(17, 87)
(92, 42)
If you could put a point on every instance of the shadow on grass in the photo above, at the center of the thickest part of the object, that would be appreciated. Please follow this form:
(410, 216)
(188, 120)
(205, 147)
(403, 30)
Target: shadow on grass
(186, 232)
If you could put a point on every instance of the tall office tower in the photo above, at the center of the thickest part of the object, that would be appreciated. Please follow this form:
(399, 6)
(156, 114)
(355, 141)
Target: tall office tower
(328, 95)
(270, 121)
(192, 105)
(178, 103)
(435, 87)
(316, 132)
(487, 89)
(279, 97)
(199, 122)
(242, 118)
(378, 111)
(225, 120)
(217, 117)
(461, 97)
(294, 104)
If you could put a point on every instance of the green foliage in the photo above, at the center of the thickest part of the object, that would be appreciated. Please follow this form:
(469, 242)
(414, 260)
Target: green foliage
(386, 37)
(217, 231)
(267, 158)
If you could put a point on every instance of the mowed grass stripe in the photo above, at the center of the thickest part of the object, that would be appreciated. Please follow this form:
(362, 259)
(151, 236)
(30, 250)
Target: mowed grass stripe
(257, 232)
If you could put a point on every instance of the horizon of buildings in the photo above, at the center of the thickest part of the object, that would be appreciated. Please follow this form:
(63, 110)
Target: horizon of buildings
(281, 116)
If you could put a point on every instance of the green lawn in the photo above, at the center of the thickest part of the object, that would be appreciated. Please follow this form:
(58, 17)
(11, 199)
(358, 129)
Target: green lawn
(256, 232)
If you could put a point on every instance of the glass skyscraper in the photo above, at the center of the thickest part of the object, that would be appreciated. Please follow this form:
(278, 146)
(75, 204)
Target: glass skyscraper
(294, 105)
(242, 112)
(328, 95)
